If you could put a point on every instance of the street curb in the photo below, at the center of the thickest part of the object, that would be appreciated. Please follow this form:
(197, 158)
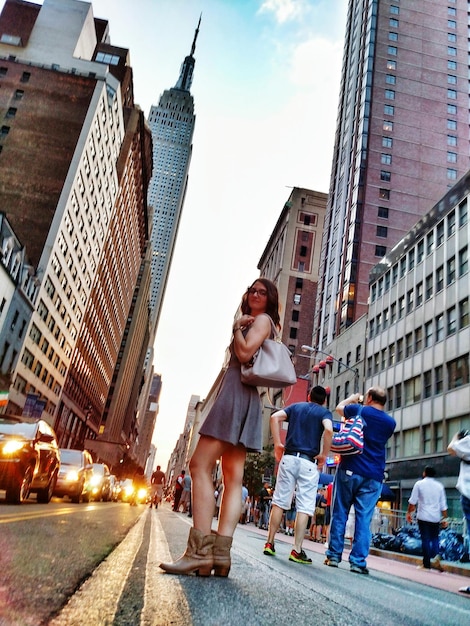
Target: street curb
(462, 569)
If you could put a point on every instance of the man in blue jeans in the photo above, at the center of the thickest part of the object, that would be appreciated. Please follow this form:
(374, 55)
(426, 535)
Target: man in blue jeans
(429, 497)
(358, 479)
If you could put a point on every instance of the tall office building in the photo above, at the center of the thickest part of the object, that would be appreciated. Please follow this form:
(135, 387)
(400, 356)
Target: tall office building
(75, 160)
(172, 125)
(401, 141)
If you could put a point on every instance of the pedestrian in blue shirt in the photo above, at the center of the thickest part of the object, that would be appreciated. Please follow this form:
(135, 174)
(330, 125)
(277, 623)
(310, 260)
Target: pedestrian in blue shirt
(358, 479)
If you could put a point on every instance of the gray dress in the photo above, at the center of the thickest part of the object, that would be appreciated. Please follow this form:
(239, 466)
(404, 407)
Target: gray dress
(236, 415)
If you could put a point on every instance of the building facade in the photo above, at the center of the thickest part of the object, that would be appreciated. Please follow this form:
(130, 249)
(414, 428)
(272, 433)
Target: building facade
(401, 141)
(418, 341)
(69, 118)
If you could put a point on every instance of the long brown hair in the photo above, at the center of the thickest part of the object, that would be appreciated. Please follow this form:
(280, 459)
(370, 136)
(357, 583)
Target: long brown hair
(272, 304)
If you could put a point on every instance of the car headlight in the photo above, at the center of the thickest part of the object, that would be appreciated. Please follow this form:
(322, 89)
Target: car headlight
(13, 446)
(129, 490)
(142, 493)
(95, 481)
(72, 476)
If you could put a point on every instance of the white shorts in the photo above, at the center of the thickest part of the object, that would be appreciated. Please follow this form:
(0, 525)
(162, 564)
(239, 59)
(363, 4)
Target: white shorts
(294, 471)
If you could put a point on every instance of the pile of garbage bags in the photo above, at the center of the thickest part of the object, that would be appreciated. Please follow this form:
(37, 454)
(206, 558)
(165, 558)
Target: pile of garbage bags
(452, 545)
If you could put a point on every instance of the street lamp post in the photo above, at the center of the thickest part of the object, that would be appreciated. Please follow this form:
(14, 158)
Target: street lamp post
(330, 359)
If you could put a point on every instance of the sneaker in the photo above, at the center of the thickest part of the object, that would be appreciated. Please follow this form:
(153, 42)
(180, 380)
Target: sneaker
(269, 549)
(422, 567)
(465, 590)
(436, 563)
(300, 557)
(356, 569)
(331, 562)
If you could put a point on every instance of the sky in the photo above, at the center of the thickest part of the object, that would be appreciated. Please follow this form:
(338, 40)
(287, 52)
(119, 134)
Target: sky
(265, 87)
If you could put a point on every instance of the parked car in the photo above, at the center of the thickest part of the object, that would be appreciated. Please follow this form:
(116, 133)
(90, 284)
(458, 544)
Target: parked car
(101, 483)
(129, 491)
(114, 487)
(29, 458)
(76, 470)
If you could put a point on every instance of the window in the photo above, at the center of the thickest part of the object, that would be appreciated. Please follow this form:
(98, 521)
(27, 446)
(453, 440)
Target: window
(389, 109)
(384, 194)
(412, 390)
(385, 176)
(428, 334)
(382, 231)
(463, 213)
(451, 270)
(429, 242)
(386, 159)
(382, 211)
(390, 79)
(427, 379)
(408, 345)
(451, 174)
(451, 320)
(295, 315)
(380, 251)
(393, 22)
(11, 112)
(439, 278)
(394, 9)
(451, 79)
(409, 300)
(451, 94)
(392, 51)
(419, 293)
(452, 65)
(451, 140)
(439, 322)
(391, 355)
(463, 261)
(451, 51)
(297, 298)
(418, 338)
(458, 372)
(390, 94)
(451, 223)
(387, 142)
(463, 313)
(452, 37)
(399, 350)
(25, 77)
(293, 333)
(452, 124)
(391, 64)
(439, 379)
(451, 157)
(394, 36)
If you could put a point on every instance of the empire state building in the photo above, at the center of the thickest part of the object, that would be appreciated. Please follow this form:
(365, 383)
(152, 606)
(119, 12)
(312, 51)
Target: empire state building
(172, 125)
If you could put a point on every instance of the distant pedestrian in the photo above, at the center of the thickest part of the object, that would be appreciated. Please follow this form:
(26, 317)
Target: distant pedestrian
(245, 504)
(308, 440)
(428, 496)
(265, 497)
(460, 446)
(178, 490)
(358, 479)
(185, 500)
(157, 484)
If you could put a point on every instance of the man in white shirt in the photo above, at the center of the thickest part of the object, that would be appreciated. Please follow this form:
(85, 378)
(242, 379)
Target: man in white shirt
(429, 497)
(460, 446)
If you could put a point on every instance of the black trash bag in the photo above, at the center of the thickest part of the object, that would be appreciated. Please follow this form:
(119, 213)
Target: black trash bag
(451, 545)
(410, 540)
(385, 542)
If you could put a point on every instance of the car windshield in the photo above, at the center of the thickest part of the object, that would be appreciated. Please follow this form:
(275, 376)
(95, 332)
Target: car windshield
(21, 429)
(71, 457)
(98, 469)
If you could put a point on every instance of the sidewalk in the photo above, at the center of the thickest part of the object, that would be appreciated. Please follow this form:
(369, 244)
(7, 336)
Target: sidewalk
(455, 574)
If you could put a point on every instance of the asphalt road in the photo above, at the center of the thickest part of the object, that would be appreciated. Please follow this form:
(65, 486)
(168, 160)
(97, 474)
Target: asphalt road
(97, 565)
(260, 591)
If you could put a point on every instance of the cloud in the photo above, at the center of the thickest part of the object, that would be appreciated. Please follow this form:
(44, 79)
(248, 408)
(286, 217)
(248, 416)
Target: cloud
(284, 10)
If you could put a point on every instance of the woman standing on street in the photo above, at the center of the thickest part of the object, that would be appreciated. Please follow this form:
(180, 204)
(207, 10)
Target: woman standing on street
(232, 428)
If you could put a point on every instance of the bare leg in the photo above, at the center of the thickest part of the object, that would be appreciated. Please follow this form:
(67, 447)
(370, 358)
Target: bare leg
(207, 451)
(233, 466)
(274, 522)
(301, 521)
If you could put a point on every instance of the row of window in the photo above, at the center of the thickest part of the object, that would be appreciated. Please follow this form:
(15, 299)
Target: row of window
(424, 247)
(434, 283)
(441, 326)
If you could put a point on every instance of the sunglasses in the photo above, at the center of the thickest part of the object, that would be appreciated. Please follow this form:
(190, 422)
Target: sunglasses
(261, 292)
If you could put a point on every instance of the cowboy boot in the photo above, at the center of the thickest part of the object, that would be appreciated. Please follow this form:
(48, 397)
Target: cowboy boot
(198, 557)
(221, 552)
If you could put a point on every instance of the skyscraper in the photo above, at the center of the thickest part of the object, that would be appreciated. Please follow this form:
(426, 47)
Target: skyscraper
(172, 125)
(401, 141)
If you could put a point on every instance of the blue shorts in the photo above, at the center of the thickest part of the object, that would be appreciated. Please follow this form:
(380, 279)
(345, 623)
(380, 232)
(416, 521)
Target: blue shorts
(294, 471)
